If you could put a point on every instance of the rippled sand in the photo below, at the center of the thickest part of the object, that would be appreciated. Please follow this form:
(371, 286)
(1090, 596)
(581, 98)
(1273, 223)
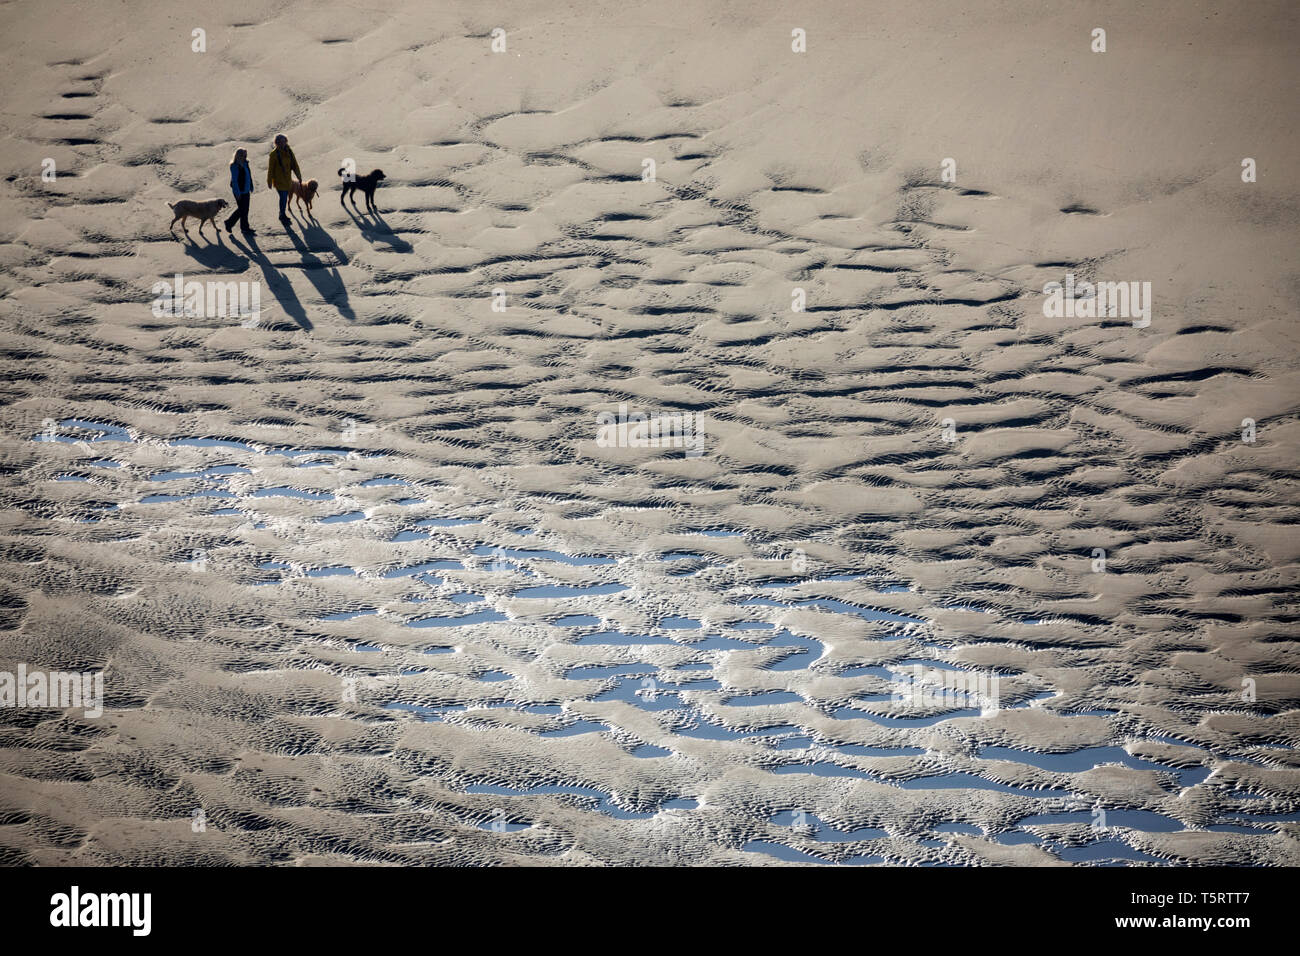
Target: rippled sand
(366, 587)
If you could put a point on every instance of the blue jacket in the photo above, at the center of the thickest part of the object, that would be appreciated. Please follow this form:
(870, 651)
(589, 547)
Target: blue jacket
(241, 178)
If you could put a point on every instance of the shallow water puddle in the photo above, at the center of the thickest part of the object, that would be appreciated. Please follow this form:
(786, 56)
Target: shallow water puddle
(102, 431)
(1144, 820)
(852, 713)
(704, 729)
(1265, 818)
(763, 698)
(1074, 761)
(330, 572)
(478, 617)
(652, 688)
(576, 728)
(345, 516)
(806, 651)
(524, 554)
(716, 642)
(646, 751)
(182, 496)
(618, 639)
(651, 694)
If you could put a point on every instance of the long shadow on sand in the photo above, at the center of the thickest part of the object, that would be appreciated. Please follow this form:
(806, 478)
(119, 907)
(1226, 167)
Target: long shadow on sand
(277, 283)
(215, 255)
(375, 229)
(324, 277)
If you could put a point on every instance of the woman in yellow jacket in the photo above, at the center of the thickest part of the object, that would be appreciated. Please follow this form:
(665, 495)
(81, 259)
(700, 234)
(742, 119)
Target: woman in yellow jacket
(281, 167)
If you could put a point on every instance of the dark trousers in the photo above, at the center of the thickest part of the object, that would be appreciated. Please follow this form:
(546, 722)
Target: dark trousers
(284, 203)
(240, 212)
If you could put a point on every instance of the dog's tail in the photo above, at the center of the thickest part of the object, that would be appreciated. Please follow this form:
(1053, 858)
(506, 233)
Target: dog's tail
(171, 206)
(343, 170)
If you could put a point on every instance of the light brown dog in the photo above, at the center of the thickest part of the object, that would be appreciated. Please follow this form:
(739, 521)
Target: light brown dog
(205, 210)
(305, 193)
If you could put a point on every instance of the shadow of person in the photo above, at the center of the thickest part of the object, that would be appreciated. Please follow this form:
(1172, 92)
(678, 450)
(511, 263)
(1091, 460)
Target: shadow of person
(375, 229)
(215, 256)
(324, 277)
(276, 283)
(318, 240)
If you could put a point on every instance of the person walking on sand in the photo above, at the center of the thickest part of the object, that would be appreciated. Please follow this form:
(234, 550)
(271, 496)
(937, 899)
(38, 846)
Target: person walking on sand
(281, 169)
(241, 184)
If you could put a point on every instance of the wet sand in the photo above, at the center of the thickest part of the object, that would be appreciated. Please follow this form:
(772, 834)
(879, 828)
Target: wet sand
(367, 586)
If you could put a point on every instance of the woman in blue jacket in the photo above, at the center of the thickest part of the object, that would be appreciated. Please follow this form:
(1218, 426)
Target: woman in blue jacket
(241, 184)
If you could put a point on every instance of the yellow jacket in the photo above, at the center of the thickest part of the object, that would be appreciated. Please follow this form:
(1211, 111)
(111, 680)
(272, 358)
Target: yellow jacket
(280, 164)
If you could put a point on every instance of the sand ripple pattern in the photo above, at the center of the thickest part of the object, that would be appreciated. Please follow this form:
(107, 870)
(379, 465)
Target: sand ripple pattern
(366, 589)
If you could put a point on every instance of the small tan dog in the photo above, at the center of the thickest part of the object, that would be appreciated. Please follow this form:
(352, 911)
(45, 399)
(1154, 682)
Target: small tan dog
(305, 193)
(206, 210)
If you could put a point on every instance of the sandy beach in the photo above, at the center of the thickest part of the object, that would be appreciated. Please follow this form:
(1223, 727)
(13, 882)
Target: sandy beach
(971, 357)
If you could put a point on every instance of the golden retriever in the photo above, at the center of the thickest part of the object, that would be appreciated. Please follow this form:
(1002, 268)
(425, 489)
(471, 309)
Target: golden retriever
(205, 210)
(305, 193)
